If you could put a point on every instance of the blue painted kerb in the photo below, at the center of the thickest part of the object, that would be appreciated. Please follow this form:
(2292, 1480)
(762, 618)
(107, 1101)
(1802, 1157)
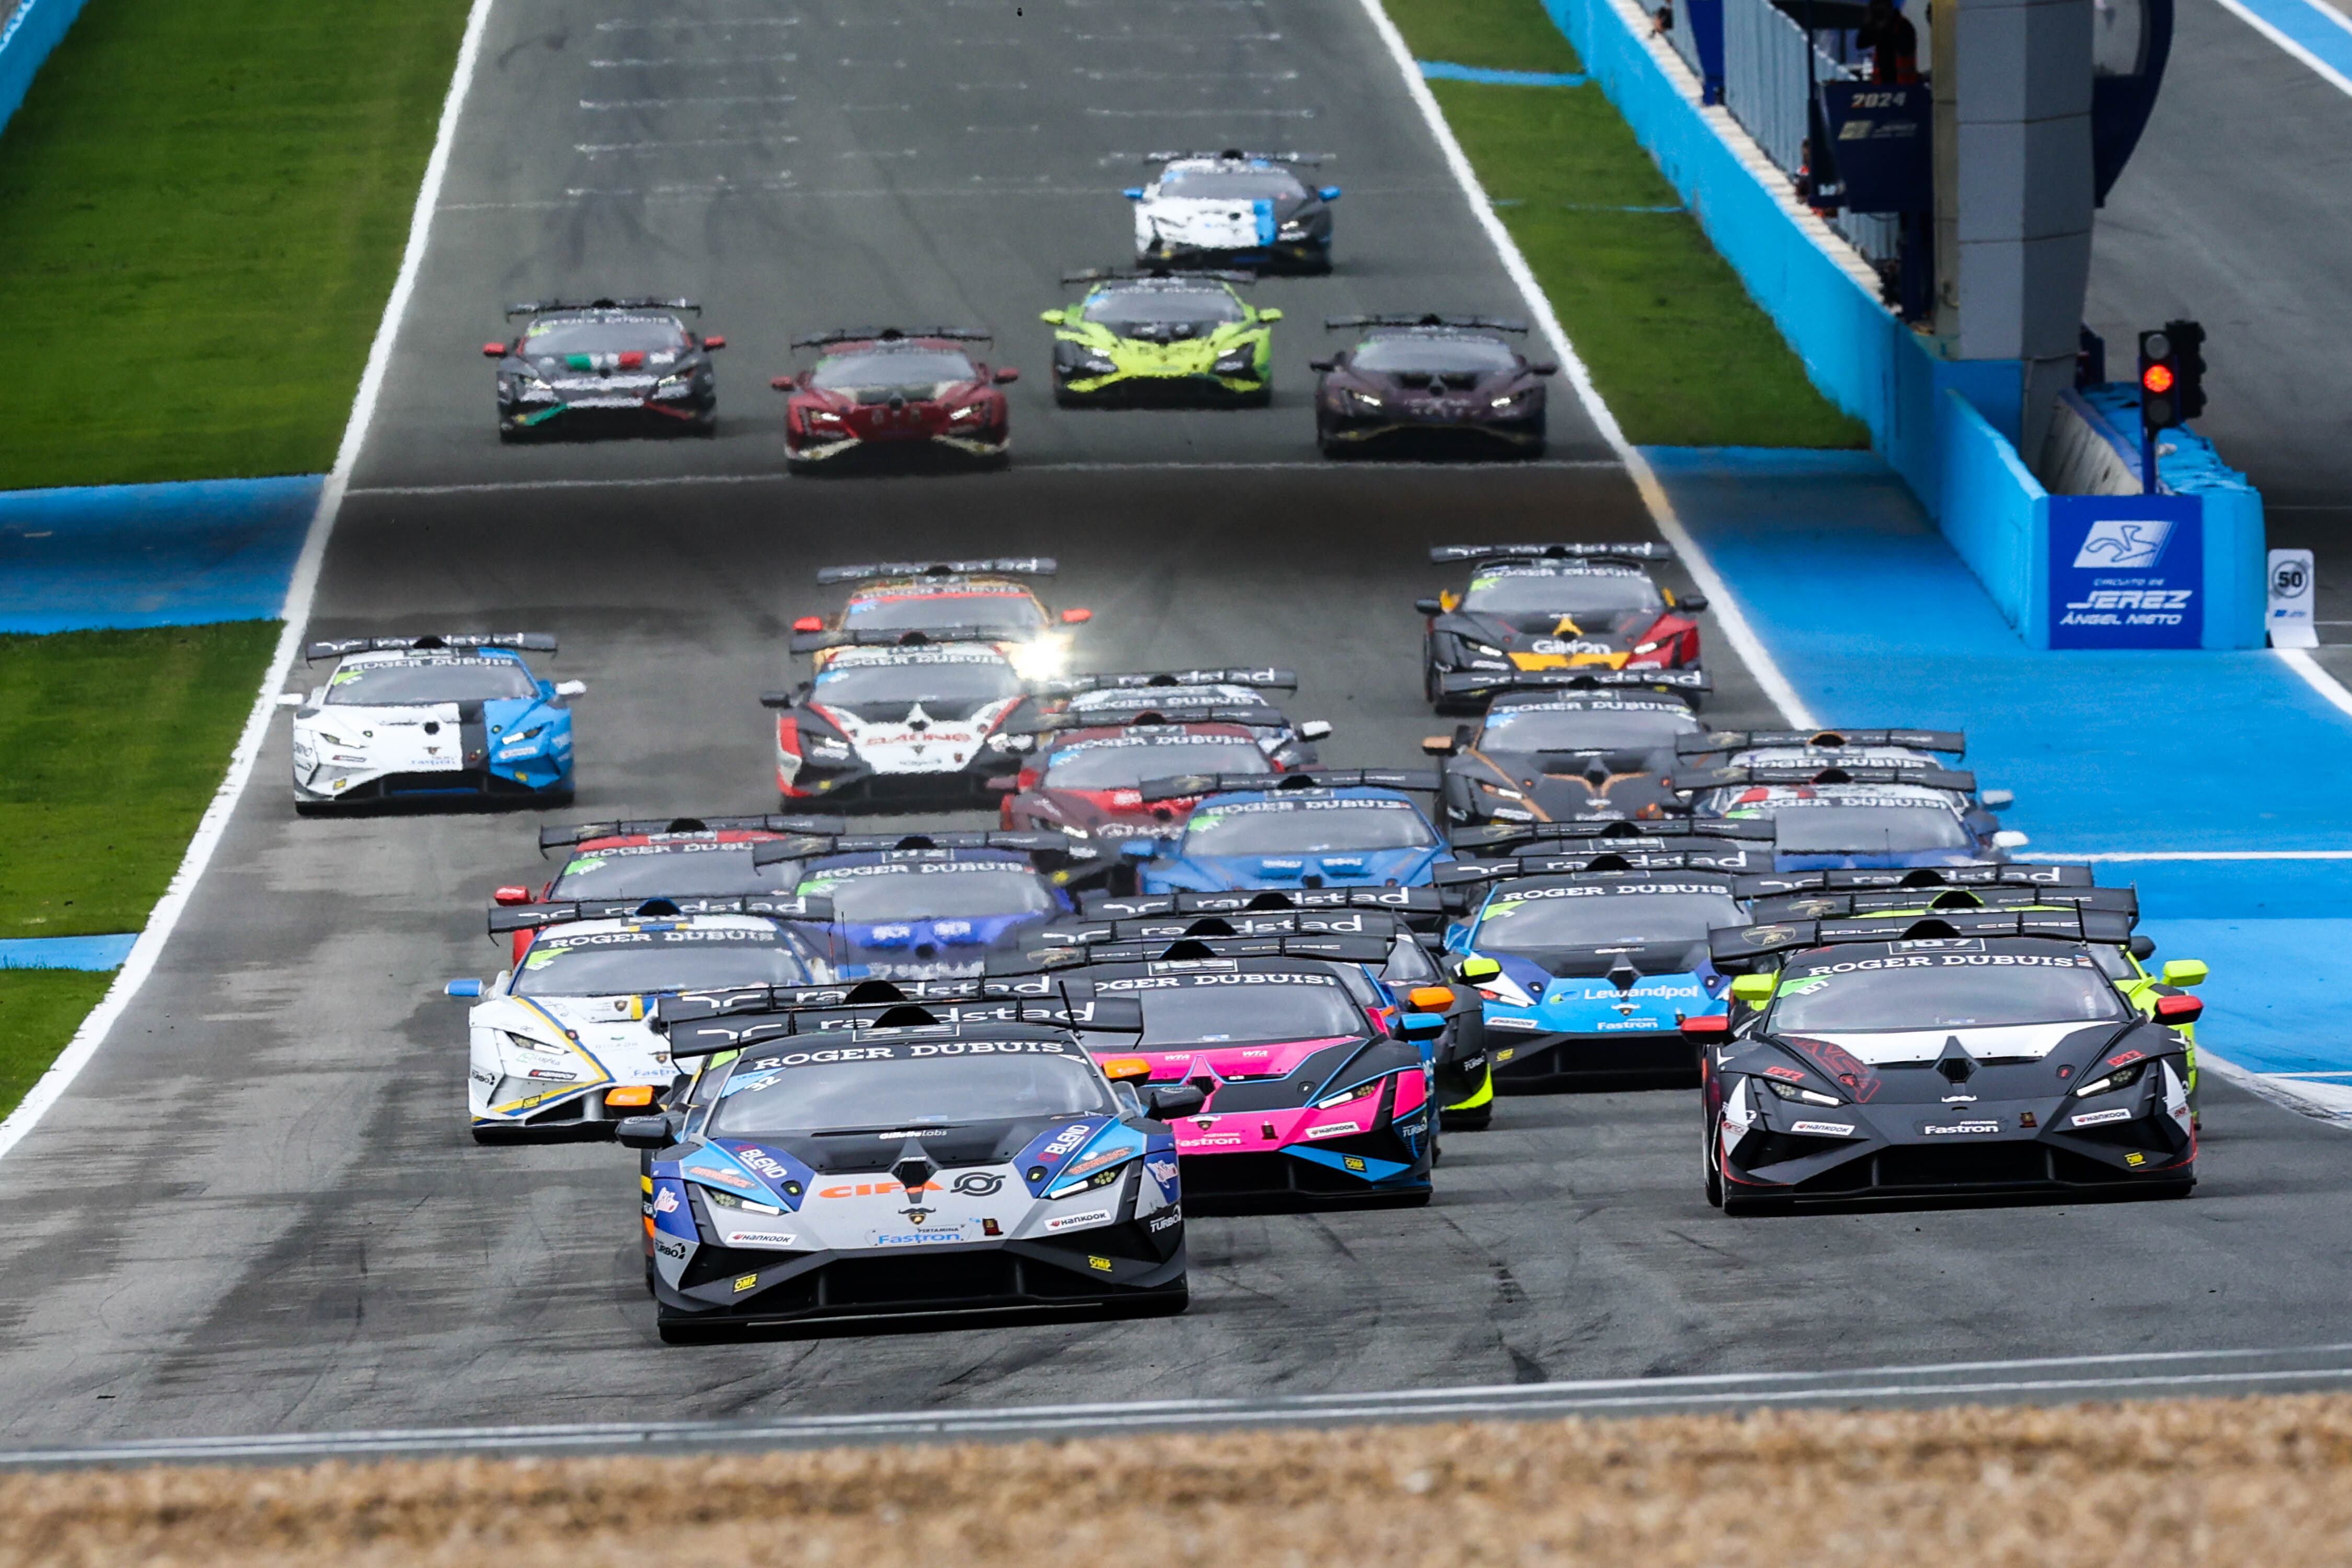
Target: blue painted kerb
(67, 952)
(31, 33)
(150, 555)
(1447, 70)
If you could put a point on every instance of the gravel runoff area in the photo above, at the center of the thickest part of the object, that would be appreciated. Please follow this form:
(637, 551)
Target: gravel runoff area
(2245, 1480)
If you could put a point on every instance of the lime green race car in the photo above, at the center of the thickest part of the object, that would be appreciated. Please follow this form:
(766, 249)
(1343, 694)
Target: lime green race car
(1162, 337)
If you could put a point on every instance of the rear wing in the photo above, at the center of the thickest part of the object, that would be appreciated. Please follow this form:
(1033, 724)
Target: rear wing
(1635, 550)
(1240, 155)
(701, 1024)
(1139, 906)
(1143, 716)
(994, 566)
(1958, 780)
(643, 302)
(1370, 923)
(775, 906)
(1119, 275)
(1579, 838)
(1486, 685)
(1336, 949)
(1742, 947)
(1931, 900)
(892, 335)
(519, 642)
(1465, 323)
(808, 847)
(1262, 676)
(2010, 874)
(682, 827)
(1416, 781)
(913, 637)
(1725, 866)
(1952, 741)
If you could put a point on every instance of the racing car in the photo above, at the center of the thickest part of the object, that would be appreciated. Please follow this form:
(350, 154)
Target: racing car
(582, 366)
(1553, 607)
(454, 715)
(1593, 971)
(1866, 814)
(699, 857)
(906, 389)
(1961, 1053)
(560, 1042)
(1913, 749)
(1583, 747)
(926, 906)
(1233, 209)
(870, 1152)
(1346, 827)
(909, 723)
(1085, 781)
(1191, 696)
(973, 600)
(1425, 380)
(1308, 1102)
(1159, 337)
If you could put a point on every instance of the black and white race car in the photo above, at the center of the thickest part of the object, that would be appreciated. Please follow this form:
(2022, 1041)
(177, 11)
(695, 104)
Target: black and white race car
(1233, 209)
(586, 366)
(909, 723)
(1957, 1053)
(1584, 748)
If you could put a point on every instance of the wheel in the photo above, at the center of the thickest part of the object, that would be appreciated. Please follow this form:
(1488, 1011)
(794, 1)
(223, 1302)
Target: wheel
(1160, 1304)
(312, 808)
(650, 1277)
(1065, 398)
(682, 1330)
(799, 466)
(1477, 1120)
(1262, 398)
(706, 426)
(1706, 1159)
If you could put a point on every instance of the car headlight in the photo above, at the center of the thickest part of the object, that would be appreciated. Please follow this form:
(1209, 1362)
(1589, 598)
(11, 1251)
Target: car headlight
(1649, 647)
(1504, 989)
(530, 389)
(1507, 399)
(1364, 399)
(1502, 790)
(725, 1200)
(531, 734)
(1479, 648)
(820, 416)
(679, 385)
(1041, 659)
(535, 1047)
(318, 735)
(1799, 1093)
(2122, 1078)
(1093, 362)
(969, 411)
(1073, 832)
(1093, 1182)
(1349, 1097)
(1235, 362)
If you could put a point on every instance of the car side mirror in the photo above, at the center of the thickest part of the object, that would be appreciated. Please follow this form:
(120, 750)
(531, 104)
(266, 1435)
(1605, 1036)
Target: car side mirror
(644, 1132)
(808, 623)
(1137, 848)
(1478, 970)
(2186, 971)
(1323, 364)
(1315, 729)
(1077, 617)
(1171, 1101)
(714, 343)
(1006, 375)
(1052, 318)
(1543, 368)
(1708, 1029)
(1692, 603)
(494, 350)
(2175, 1012)
(289, 699)
(1003, 784)
(781, 383)
(1753, 989)
(1271, 313)
(511, 895)
(462, 988)
(2142, 945)
(1429, 606)
(1997, 799)
(775, 700)
(1437, 745)
(1429, 998)
(2010, 839)
(1329, 193)
(1421, 1025)
(571, 688)
(1133, 193)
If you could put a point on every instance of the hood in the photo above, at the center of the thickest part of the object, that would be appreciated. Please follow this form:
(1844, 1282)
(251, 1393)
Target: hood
(927, 949)
(2015, 1042)
(1541, 966)
(1112, 812)
(610, 1030)
(1901, 861)
(1336, 869)
(424, 737)
(1572, 786)
(1218, 223)
(912, 737)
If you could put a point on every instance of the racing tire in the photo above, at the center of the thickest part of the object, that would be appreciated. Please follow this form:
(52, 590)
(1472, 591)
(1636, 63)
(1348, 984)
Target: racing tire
(675, 1333)
(312, 809)
(650, 1277)
(509, 436)
(1477, 1120)
(1745, 1208)
(1165, 1304)
(1262, 398)
(1714, 1176)
(706, 427)
(1065, 398)
(1419, 1200)
(799, 466)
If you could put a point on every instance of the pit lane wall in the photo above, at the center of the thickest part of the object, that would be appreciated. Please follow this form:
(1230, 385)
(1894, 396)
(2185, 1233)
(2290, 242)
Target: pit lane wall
(28, 33)
(1948, 427)
(150, 555)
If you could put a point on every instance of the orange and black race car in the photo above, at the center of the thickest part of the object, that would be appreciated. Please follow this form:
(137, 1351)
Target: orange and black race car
(1604, 753)
(1534, 607)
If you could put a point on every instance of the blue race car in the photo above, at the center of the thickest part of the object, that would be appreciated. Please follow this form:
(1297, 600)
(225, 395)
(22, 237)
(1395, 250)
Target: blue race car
(456, 715)
(1591, 974)
(1874, 814)
(926, 906)
(1323, 828)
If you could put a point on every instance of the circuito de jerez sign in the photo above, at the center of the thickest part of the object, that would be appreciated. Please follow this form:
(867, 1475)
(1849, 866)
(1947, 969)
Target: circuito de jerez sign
(2127, 572)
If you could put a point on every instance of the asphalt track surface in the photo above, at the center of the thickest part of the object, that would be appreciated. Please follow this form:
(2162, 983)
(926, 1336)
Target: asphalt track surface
(257, 1210)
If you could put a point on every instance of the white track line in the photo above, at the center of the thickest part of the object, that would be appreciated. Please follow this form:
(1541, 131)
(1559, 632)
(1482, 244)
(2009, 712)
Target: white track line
(1294, 466)
(2260, 24)
(2107, 855)
(166, 916)
(2315, 676)
(1730, 618)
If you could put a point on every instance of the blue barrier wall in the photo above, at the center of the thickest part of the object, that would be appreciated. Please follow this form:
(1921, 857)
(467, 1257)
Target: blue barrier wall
(1965, 470)
(30, 34)
(150, 555)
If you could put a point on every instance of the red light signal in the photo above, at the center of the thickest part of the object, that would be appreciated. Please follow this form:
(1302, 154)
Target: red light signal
(2157, 378)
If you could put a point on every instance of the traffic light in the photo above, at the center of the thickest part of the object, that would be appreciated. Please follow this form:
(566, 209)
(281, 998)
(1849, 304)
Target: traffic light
(2188, 367)
(2159, 381)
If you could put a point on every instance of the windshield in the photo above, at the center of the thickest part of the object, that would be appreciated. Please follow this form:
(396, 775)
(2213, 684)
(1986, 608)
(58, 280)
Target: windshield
(1408, 353)
(1533, 922)
(1301, 1007)
(1124, 308)
(952, 680)
(1584, 730)
(900, 367)
(674, 871)
(863, 895)
(1562, 593)
(1231, 185)
(605, 335)
(1946, 991)
(1812, 829)
(963, 607)
(1115, 766)
(621, 964)
(429, 680)
(1307, 827)
(1020, 1080)
(1409, 965)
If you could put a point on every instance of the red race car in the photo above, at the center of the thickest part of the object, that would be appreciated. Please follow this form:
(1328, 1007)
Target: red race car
(895, 386)
(1086, 784)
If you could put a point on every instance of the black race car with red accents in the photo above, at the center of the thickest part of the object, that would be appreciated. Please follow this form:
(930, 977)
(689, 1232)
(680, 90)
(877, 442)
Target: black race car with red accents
(601, 366)
(1416, 383)
(1583, 748)
(1086, 782)
(1535, 608)
(876, 391)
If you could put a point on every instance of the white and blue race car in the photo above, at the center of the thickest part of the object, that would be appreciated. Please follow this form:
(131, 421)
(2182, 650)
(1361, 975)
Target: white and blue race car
(1233, 209)
(450, 716)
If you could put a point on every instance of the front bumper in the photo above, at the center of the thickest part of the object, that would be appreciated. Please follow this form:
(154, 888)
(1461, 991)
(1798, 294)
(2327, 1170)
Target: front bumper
(1545, 1061)
(982, 442)
(614, 415)
(1312, 254)
(524, 782)
(1157, 385)
(948, 789)
(1402, 427)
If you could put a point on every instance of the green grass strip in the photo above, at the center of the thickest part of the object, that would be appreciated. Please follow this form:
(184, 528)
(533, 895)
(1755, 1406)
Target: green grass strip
(116, 743)
(40, 1011)
(1676, 348)
(204, 204)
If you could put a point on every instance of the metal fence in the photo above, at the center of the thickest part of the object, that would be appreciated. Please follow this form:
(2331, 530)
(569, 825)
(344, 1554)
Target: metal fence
(1769, 66)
